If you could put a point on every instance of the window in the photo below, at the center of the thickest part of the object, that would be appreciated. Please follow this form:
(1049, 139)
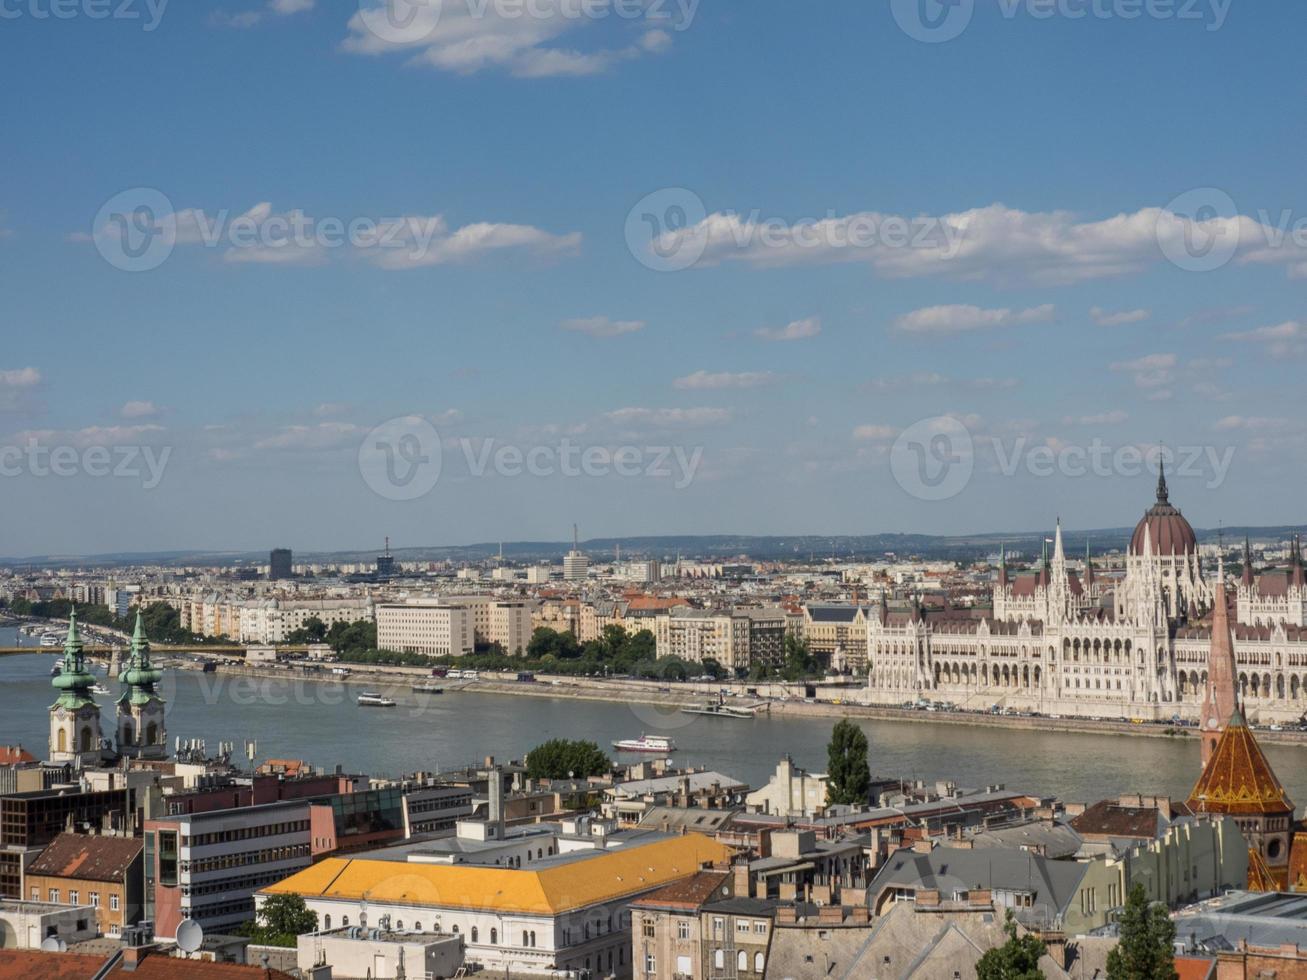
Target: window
(95, 900)
(650, 964)
(760, 928)
(759, 961)
(719, 959)
(473, 935)
(326, 923)
(683, 966)
(742, 926)
(742, 961)
(682, 930)
(646, 926)
(54, 894)
(344, 920)
(73, 896)
(113, 903)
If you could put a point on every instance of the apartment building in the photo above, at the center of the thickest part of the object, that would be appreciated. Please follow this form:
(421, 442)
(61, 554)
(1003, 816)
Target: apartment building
(737, 639)
(702, 927)
(506, 622)
(274, 620)
(105, 873)
(437, 629)
(837, 634)
(207, 866)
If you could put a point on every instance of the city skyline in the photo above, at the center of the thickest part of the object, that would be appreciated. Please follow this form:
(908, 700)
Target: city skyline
(769, 295)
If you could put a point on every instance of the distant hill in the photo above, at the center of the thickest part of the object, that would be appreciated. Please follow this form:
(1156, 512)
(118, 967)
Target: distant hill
(710, 547)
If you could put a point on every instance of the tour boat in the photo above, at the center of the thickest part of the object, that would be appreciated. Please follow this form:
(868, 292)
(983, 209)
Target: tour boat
(646, 743)
(427, 689)
(99, 689)
(371, 699)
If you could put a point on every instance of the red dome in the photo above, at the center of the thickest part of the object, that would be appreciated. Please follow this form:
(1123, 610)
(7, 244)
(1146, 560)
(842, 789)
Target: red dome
(1168, 532)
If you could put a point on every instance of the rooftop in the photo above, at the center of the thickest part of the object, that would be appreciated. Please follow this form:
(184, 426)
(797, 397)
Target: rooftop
(542, 890)
(88, 858)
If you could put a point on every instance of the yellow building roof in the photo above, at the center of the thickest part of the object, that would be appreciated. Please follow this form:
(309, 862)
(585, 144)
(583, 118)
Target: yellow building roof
(627, 870)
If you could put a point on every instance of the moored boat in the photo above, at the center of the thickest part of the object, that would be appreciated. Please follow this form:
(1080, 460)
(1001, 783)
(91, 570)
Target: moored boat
(371, 699)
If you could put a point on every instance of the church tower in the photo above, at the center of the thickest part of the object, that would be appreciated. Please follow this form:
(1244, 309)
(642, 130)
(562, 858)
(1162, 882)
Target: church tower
(140, 727)
(74, 717)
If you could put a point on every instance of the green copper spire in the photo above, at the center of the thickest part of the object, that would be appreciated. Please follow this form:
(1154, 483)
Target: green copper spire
(139, 676)
(73, 682)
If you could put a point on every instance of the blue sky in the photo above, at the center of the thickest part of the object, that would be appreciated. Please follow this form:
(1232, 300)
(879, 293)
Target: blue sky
(1070, 156)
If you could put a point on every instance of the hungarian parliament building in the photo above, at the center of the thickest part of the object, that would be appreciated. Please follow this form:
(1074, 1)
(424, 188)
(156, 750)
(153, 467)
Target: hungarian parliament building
(1062, 639)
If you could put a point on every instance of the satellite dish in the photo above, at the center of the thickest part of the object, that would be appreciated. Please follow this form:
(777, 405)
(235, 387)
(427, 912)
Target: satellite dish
(53, 944)
(190, 935)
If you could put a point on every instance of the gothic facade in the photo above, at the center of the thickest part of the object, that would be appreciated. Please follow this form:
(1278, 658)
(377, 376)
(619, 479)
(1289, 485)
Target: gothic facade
(1062, 639)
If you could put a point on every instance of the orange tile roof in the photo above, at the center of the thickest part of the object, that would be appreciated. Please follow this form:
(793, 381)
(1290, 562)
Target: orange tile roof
(688, 893)
(1194, 968)
(13, 755)
(1237, 778)
(629, 870)
(1297, 877)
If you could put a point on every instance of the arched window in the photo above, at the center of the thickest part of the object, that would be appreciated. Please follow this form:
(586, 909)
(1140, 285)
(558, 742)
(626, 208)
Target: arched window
(326, 923)
(759, 961)
(742, 961)
(417, 926)
(455, 930)
(473, 934)
(494, 936)
(63, 740)
(344, 921)
(399, 924)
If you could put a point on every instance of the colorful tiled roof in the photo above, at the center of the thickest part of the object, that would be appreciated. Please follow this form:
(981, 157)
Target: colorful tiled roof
(15, 755)
(34, 965)
(548, 890)
(1238, 779)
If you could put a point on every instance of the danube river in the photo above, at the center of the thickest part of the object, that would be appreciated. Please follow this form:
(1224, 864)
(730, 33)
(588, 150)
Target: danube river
(320, 722)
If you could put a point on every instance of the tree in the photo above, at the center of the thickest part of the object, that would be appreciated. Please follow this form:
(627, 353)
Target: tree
(561, 758)
(848, 774)
(281, 920)
(799, 661)
(1145, 951)
(1017, 959)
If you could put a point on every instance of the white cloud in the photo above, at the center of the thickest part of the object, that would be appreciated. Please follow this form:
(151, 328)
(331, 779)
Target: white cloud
(670, 417)
(795, 330)
(28, 377)
(265, 237)
(994, 242)
(1287, 339)
(958, 318)
(1150, 371)
(1102, 418)
(252, 18)
(1105, 319)
(1250, 424)
(875, 433)
(602, 326)
(706, 381)
(324, 435)
(469, 38)
(93, 435)
(139, 410)
(918, 379)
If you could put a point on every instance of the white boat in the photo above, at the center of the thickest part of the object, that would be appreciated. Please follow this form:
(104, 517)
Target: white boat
(50, 640)
(100, 689)
(646, 743)
(371, 699)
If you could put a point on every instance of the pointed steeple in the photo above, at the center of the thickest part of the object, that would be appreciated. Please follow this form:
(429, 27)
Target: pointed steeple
(1247, 562)
(1220, 699)
(1058, 554)
(140, 676)
(73, 682)
(1089, 566)
(1163, 494)
(1296, 575)
(1002, 564)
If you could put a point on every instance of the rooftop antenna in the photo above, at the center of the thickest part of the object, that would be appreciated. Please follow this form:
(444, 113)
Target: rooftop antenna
(576, 539)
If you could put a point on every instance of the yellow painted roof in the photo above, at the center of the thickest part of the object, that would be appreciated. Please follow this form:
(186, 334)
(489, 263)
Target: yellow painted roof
(627, 870)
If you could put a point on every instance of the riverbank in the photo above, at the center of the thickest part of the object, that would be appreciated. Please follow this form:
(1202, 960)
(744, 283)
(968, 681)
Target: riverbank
(399, 681)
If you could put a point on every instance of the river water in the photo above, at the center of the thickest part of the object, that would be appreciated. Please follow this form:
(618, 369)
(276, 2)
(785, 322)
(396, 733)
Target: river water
(320, 722)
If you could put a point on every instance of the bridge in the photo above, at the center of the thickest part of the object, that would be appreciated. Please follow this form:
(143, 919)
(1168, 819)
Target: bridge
(103, 650)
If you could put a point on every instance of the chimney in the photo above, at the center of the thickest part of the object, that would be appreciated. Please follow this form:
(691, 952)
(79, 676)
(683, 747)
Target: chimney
(133, 956)
(740, 884)
(496, 807)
